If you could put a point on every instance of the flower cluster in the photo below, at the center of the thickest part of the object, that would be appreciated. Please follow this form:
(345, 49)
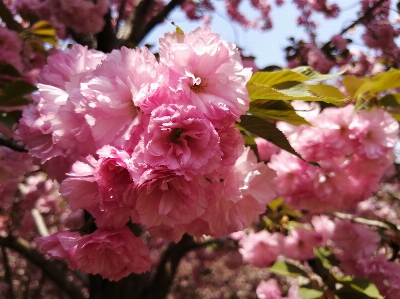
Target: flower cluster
(353, 151)
(133, 139)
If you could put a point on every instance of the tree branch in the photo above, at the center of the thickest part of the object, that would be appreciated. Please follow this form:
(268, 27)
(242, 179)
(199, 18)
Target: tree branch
(138, 26)
(367, 14)
(8, 18)
(11, 143)
(52, 269)
(159, 18)
(162, 281)
(8, 273)
(106, 38)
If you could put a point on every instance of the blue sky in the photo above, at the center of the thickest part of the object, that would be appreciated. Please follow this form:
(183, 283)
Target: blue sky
(267, 46)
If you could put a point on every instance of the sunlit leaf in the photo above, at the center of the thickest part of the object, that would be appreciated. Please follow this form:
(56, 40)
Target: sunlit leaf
(352, 84)
(326, 257)
(309, 292)
(272, 78)
(326, 90)
(313, 75)
(275, 204)
(366, 287)
(287, 269)
(43, 31)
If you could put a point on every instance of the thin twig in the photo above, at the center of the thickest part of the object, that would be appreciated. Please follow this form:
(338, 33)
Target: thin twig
(12, 143)
(367, 14)
(53, 270)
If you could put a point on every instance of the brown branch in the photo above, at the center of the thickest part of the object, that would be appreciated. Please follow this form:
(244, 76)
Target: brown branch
(139, 28)
(8, 273)
(159, 18)
(52, 269)
(106, 38)
(7, 17)
(167, 268)
(366, 15)
(138, 21)
(120, 14)
(11, 143)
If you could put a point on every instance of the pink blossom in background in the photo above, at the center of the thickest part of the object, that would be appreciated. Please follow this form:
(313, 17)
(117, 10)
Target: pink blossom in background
(61, 245)
(265, 148)
(270, 289)
(13, 164)
(70, 65)
(352, 149)
(10, 48)
(355, 239)
(80, 15)
(261, 248)
(112, 253)
(299, 245)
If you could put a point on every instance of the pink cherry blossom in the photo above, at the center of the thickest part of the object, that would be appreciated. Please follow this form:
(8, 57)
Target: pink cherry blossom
(182, 139)
(112, 253)
(210, 72)
(240, 195)
(163, 197)
(99, 186)
(261, 248)
(61, 245)
(268, 290)
(10, 47)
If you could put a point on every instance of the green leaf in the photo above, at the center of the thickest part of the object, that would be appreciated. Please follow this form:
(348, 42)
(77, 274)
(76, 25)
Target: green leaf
(9, 70)
(43, 31)
(310, 292)
(326, 90)
(366, 287)
(313, 75)
(352, 84)
(289, 116)
(268, 131)
(395, 115)
(290, 90)
(9, 119)
(390, 100)
(358, 288)
(13, 93)
(326, 257)
(287, 269)
(275, 204)
(272, 78)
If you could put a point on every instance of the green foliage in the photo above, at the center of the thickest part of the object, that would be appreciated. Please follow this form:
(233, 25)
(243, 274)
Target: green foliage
(271, 93)
(290, 85)
(266, 130)
(44, 32)
(13, 94)
(9, 119)
(310, 292)
(287, 269)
